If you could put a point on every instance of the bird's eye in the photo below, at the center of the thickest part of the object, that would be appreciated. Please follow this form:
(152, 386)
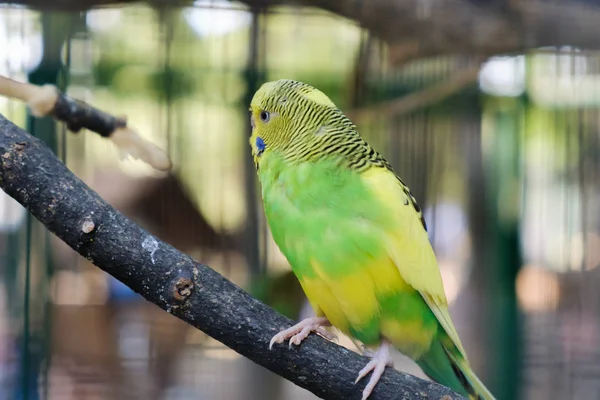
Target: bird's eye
(265, 116)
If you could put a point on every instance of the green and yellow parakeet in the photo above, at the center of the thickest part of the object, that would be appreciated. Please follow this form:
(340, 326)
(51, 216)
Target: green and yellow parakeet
(354, 236)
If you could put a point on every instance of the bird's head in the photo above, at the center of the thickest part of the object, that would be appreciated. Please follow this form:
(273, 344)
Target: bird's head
(286, 117)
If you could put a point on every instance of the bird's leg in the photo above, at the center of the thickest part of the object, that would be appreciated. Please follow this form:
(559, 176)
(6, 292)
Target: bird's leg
(368, 352)
(380, 359)
(302, 329)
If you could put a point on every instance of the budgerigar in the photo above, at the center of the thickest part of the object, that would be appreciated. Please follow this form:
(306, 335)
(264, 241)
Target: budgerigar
(354, 237)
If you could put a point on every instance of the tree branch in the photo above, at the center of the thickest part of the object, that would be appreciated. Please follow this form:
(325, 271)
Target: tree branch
(48, 100)
(195, 293)
(82, 5)
(422, 28)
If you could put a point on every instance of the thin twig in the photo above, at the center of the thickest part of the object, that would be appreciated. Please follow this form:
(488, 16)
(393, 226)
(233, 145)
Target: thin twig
(418, 100)
(32, 175)
(48, 100)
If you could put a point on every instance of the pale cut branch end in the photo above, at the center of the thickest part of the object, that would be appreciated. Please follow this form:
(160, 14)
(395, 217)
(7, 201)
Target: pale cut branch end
(132, 144)
(42, 99)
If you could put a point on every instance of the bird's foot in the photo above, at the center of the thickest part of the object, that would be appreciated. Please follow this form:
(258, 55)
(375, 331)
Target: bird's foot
(380, 359)
(302, 329)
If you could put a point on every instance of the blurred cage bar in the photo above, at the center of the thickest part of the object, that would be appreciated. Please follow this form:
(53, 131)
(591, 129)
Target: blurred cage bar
(505, 167)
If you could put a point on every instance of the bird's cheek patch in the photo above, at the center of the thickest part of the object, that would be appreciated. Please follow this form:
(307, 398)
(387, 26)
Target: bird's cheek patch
(260, 145)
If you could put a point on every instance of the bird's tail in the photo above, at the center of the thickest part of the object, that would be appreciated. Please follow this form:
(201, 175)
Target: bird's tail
(453, 370)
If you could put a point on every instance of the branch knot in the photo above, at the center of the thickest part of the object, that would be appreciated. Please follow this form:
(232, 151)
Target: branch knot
(181, 288)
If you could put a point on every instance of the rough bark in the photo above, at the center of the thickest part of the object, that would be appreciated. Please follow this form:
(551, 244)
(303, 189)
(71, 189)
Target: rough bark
(30, 173)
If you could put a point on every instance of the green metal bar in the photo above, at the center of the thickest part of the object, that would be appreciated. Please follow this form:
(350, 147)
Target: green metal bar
(254, 77)
(35, 346)
(504, 254)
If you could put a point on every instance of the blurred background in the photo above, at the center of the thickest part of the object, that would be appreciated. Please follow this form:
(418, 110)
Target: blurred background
(499, 145)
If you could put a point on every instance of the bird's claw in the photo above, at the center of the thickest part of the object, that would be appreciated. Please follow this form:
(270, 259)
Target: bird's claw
(301, 330)
(381, 359)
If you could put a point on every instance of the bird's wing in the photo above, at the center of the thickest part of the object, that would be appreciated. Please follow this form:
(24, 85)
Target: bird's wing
(408, 246)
